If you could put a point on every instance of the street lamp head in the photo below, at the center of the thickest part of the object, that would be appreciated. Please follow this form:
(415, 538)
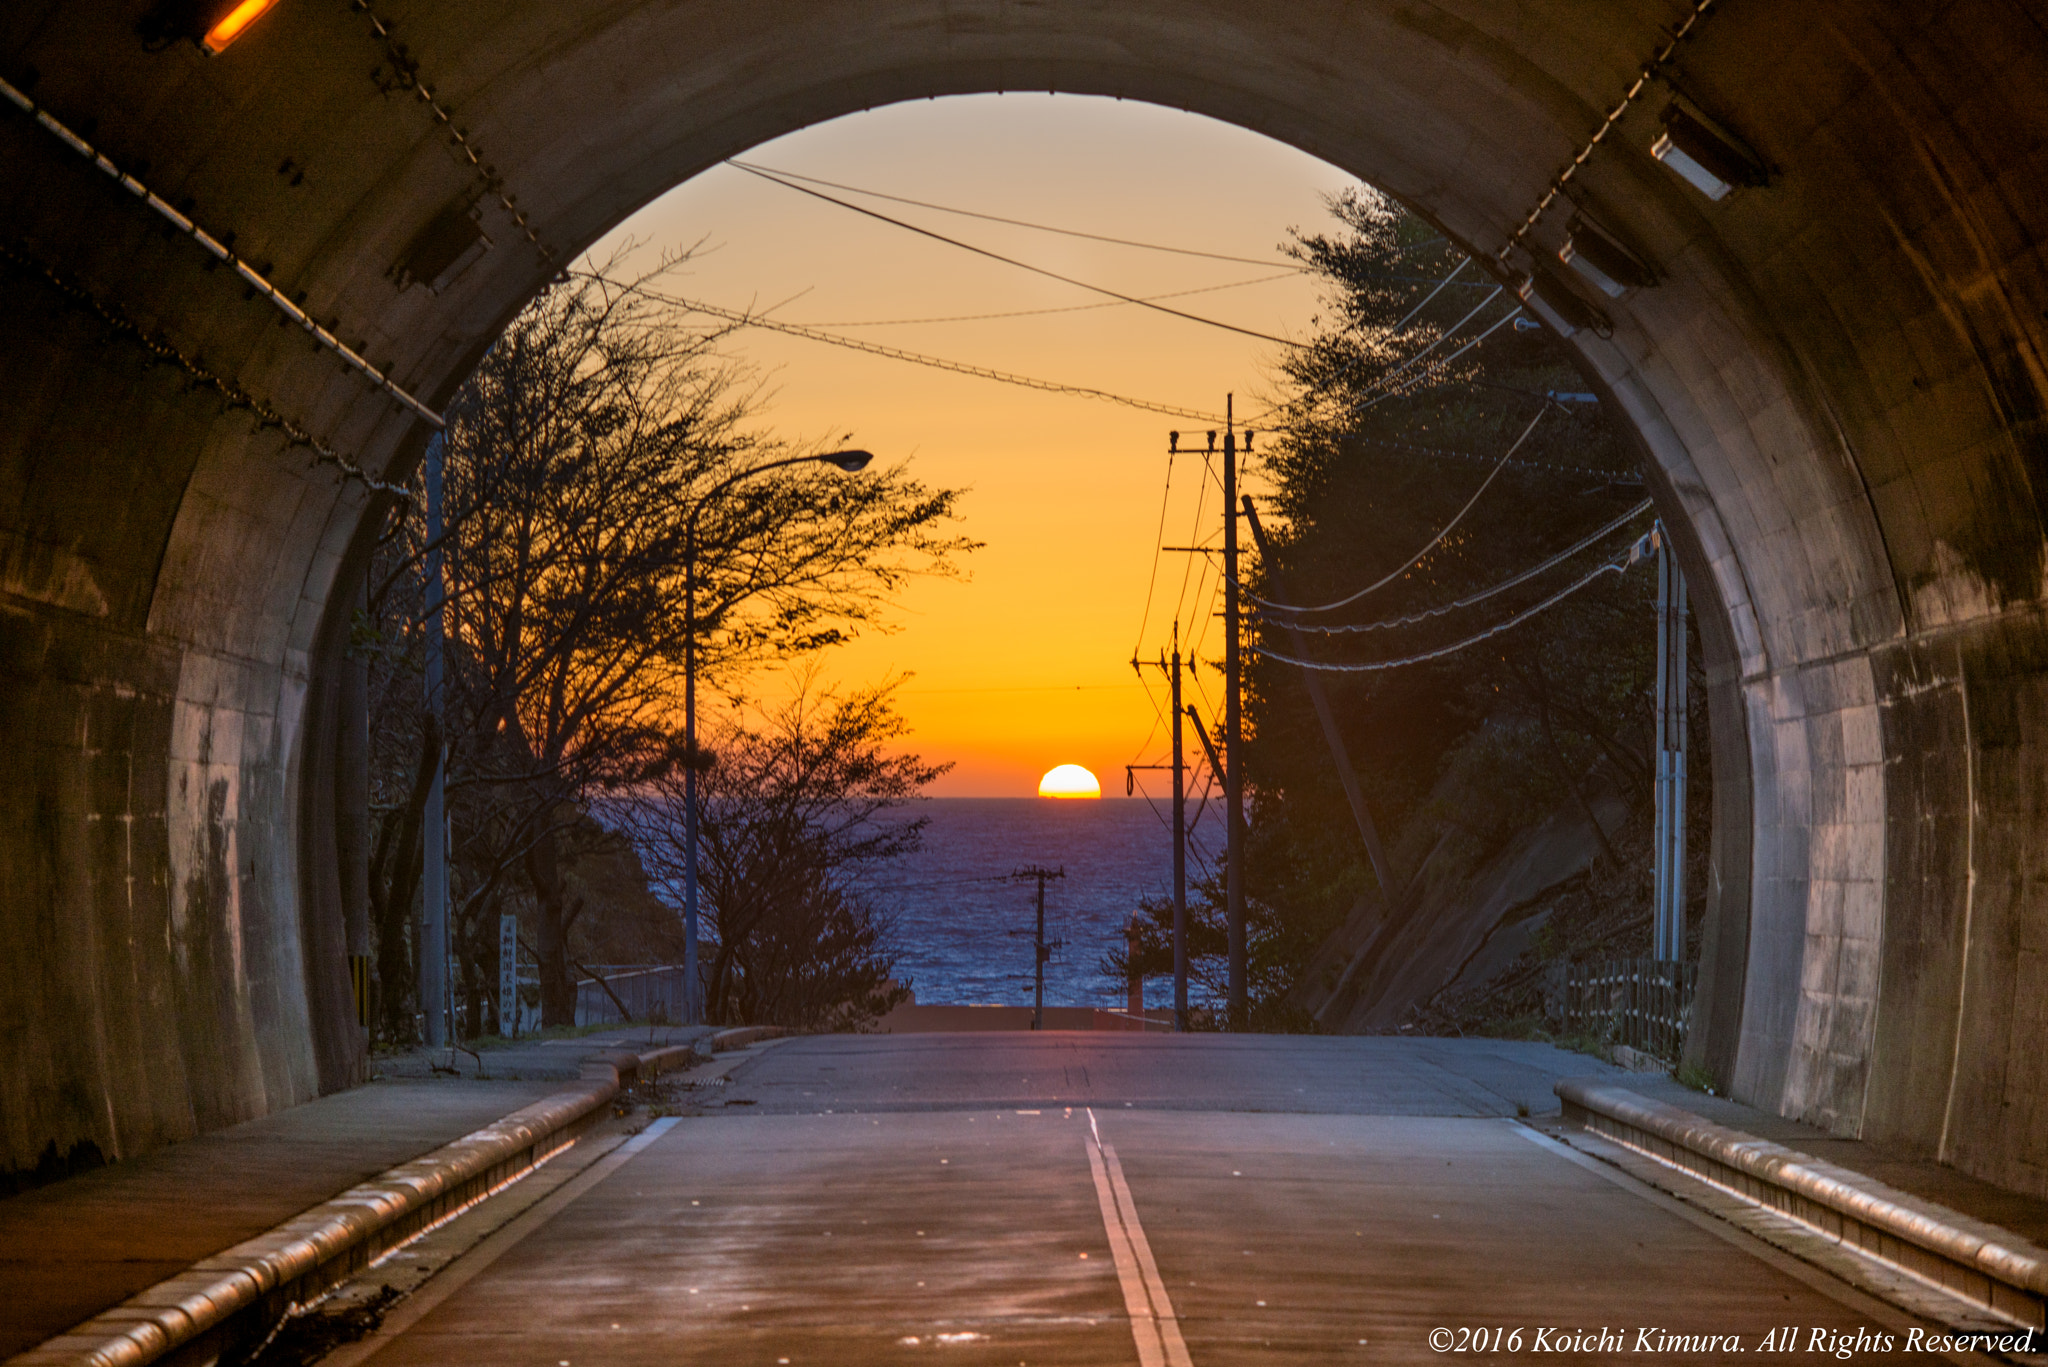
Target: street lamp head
(849, 461)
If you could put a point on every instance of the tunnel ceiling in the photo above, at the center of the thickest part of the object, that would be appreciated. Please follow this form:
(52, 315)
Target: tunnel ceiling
(1835, 376)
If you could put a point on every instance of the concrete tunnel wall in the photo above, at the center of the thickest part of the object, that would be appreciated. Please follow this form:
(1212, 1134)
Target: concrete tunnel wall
(1837, 382)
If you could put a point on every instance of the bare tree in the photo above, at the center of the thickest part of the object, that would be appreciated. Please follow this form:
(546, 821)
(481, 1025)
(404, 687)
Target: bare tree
(572, 462)
(792, 810)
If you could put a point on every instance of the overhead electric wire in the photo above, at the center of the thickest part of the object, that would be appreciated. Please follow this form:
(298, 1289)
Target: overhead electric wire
(1410, 619)
(1158, 548)
(1180, 601)
(1437, 368)
(1412, 560)
(1636, 553)
(1387, 377)
(1037, 313)
(1452, 453)
(935, 362)
(1376, 389)
(1021, 265)
(771, 171)
(1396, 329)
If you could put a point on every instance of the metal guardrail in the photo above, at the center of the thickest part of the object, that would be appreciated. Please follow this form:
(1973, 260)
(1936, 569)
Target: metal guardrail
(1645, 1004)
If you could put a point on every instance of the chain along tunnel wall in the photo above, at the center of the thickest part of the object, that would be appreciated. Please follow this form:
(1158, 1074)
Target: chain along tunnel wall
(1836, 377)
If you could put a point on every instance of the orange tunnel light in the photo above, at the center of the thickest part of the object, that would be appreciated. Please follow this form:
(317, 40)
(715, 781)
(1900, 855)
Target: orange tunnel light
(230, 25)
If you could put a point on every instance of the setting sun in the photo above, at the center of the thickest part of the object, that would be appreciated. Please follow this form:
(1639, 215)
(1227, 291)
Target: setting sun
(1069, 780)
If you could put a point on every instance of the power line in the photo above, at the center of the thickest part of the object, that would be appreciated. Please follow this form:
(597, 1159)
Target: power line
(1482, 595)
(1635, 553)
(1436, 368)
(1452, 453)
(1387, 377)
(1021, 265)
(756, 320)
(1037, 313)
(1456, 271)
(771, 172)
(1152, 581)
(1412, 560)
(1025, 688)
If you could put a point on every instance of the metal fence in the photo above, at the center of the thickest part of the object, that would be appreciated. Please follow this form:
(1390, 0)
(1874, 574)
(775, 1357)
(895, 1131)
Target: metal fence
(1645, 1004)
(652, 994)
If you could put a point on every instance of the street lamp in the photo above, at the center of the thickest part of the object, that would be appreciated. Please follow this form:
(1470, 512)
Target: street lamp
(850, 462)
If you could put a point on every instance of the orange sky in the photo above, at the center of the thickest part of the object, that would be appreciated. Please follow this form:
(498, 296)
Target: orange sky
(1025, 665)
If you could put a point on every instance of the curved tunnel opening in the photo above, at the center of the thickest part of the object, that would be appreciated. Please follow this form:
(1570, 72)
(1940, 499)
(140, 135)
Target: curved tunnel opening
(1016, 455)
(1832, 375)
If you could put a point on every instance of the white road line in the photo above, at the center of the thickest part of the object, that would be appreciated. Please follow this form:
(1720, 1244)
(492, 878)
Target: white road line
(1154, 1326)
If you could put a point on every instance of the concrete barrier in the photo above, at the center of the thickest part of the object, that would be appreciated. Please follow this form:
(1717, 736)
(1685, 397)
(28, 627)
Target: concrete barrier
(228, 1302)
(1976, 1261)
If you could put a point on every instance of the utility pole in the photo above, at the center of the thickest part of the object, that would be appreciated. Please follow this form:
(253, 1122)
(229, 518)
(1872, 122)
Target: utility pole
(1180, 854)
(433, 966)
(1172, 670)
(1233, 729)
(1668, 926)
(1042, 948)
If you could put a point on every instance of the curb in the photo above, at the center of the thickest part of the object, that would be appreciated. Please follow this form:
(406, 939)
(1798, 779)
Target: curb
(1970, 1259)
(741, 1036)
(205, 1311)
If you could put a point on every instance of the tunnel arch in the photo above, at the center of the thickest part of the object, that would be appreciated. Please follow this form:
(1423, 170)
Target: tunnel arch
(1836, 379)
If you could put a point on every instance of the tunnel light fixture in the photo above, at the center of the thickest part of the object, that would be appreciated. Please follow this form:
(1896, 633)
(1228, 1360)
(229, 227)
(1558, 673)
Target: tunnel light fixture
(1553, 301)
(231, 25)
(1705, 157)
(211, 24)
(1613, 268)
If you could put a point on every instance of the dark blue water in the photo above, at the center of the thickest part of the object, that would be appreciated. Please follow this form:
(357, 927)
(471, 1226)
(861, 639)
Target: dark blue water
(962, 930)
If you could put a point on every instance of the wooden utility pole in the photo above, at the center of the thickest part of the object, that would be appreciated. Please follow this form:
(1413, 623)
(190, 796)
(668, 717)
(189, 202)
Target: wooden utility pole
(1172, 669)
(1180, 854)
(1233, 731)
(1042, 948)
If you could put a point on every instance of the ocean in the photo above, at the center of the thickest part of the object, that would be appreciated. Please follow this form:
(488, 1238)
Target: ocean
(961, 928)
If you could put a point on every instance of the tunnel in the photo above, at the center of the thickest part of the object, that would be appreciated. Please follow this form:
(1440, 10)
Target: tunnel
(1833, 373)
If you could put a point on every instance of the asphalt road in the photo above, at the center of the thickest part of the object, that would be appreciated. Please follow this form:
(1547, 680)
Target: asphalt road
(1120, 1199)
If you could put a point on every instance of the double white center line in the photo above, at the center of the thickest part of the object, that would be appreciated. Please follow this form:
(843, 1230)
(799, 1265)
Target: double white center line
(1153, 1323)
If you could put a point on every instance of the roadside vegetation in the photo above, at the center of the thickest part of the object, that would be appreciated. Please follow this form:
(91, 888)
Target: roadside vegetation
(1389, 425)
(572, 460)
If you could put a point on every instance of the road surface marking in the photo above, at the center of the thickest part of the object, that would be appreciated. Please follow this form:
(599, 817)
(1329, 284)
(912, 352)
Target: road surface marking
(1154, 1326)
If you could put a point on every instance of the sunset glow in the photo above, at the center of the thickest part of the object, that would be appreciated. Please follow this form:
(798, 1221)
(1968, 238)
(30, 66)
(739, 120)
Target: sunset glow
(1069, 780)
(1027, 653)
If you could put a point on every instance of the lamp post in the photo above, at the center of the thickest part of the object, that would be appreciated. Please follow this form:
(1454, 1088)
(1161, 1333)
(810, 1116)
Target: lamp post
(848, 461)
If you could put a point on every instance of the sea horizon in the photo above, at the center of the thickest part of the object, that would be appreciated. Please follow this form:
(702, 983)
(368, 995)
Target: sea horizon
(960, 923)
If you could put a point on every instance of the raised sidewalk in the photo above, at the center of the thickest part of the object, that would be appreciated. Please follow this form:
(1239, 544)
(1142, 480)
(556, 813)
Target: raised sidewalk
(173, 1241)
(1977, 1242)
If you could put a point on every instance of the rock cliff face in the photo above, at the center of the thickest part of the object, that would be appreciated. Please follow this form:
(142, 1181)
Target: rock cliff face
(1464, 925)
